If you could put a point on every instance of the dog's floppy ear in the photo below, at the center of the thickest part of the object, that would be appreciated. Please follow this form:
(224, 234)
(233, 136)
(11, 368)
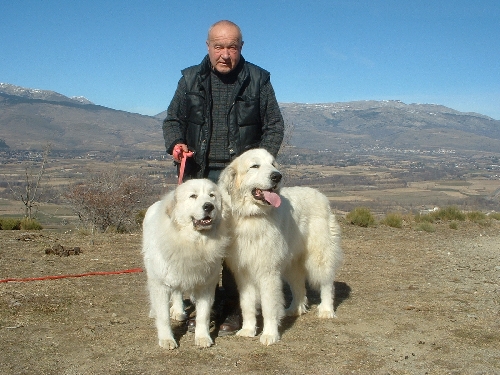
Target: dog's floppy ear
(227, 178)
(169, 203)
(225, 205)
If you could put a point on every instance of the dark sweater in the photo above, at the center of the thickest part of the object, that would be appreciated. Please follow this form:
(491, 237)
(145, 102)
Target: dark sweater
(222, 94)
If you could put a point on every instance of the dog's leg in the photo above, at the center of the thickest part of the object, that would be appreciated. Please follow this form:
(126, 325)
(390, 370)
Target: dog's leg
(177, 311)
(152, 313)
(248, 300)
(160, 299)
(272, 302)
(204, 300)
(295, 276)
(325, 256)
(325, 308)
(322, 279)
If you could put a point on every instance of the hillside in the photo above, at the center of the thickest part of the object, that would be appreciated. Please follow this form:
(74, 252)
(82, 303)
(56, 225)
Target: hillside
(389, 124)
(28, 122)
(31, 118)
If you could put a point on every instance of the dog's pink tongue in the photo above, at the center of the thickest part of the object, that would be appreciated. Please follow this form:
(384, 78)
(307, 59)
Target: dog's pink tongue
(272, 198)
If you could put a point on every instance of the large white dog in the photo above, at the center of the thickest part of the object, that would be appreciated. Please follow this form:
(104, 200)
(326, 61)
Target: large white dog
(184, 241)
(287, 233)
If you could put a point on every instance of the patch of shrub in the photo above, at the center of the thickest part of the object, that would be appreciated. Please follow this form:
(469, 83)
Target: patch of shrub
(139, 217)
(30, 224)
(479, 217)
(449, 213)
(10, 224)
(361, 216)
(453, 225)
(394, 220)
(426, 227)
(83, 231)
(494, 215)
(484, 223)
(425, 218)
(476, 216)
(113, 229)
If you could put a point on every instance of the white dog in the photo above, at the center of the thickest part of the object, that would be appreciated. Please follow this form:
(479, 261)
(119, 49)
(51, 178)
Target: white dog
(289, 233)
(184, 241)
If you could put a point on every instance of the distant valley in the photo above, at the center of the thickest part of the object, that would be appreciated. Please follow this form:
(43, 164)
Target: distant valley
(386, 155)
(29, 119)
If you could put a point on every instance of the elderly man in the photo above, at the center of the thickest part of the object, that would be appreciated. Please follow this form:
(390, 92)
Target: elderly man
(221, 108)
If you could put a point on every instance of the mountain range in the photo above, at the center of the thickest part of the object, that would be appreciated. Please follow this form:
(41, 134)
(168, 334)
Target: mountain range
(32, 118)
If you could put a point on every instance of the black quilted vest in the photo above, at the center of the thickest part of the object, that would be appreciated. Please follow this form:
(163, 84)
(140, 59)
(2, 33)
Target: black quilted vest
(243, 116)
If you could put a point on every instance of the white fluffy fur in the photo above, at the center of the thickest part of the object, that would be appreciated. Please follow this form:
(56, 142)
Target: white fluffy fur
(180, 257)
(296, 241)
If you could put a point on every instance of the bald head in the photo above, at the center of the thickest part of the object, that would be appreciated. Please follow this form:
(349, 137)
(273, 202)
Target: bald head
(229, 24)
(224, 43)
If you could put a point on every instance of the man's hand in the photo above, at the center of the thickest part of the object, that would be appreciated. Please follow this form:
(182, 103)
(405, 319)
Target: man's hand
(179, 149)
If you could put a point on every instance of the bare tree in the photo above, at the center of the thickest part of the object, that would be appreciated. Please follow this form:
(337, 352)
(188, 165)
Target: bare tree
(110, 199)
(29, 191)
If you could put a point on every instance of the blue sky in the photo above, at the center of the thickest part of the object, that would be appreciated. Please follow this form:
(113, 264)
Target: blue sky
(128, 55)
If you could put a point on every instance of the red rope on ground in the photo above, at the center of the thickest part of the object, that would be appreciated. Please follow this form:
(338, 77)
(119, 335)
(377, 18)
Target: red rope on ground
(133, 270)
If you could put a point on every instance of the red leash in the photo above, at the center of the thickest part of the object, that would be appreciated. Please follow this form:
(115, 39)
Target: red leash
(179, 154)
(133, 270)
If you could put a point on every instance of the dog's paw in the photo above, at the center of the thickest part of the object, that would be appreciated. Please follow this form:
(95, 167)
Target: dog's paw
(203, 341)
(326, 313)
(178, 313)
(179, 316)
(296, 311)
(267, 339)
(168, 343)
(245, 332)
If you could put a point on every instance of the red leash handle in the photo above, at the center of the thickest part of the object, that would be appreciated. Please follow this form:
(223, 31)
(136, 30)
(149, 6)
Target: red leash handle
(179, 154)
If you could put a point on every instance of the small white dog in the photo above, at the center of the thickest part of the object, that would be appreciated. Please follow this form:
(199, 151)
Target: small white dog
(184, 241)
(287, 233)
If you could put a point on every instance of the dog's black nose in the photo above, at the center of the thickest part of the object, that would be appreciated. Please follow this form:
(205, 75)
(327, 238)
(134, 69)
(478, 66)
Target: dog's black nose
(276, 177)
(208, 207)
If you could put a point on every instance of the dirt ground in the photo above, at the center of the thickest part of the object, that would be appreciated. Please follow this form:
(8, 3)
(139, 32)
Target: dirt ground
(408, 302)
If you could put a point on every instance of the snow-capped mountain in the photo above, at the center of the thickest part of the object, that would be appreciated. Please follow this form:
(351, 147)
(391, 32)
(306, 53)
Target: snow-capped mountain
(7, 88)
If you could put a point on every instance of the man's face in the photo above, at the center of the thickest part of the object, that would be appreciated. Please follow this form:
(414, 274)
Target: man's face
(224, 47)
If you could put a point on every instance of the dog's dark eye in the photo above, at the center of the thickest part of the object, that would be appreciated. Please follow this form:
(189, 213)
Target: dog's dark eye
(255, 166)
(212, 195)
(193, 196)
